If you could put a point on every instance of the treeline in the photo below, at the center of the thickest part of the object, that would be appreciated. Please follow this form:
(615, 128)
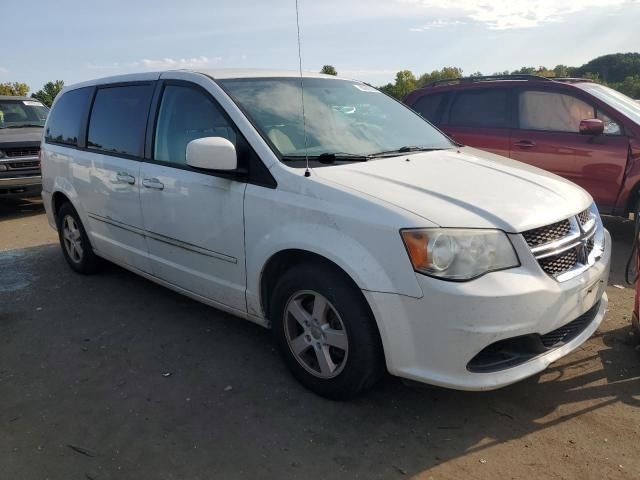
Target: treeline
(46, 94)
(620, 71)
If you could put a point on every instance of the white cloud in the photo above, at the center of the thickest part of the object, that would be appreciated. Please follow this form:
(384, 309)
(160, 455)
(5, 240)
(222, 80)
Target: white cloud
(367, 72)
(159, 64)
(3, 71)
(439, 23)
(507, 14)
(194, 62)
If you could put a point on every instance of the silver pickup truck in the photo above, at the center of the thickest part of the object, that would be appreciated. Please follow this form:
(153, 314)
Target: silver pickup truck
(21, 123)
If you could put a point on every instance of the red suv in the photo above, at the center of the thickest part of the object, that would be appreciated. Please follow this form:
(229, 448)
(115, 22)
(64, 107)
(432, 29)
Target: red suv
(578, 129)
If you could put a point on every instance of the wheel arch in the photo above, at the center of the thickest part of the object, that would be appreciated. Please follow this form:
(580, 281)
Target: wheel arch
(280, 262)
(632, 201)
(58, 199)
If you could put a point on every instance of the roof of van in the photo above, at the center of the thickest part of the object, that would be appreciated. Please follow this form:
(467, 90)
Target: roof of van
(222, 73)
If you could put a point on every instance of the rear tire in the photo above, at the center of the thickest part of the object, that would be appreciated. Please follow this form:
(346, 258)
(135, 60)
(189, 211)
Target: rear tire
(75, 244)
(325, 331)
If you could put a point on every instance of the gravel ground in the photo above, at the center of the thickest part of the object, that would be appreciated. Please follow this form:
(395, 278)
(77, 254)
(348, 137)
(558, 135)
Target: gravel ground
(113, 377)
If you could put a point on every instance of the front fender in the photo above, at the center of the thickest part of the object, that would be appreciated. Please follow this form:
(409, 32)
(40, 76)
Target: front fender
(371, 253)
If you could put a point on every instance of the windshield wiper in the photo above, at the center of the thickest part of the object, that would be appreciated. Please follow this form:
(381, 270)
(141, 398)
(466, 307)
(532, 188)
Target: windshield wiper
(26, 125)
(329, 158)
(401, 150)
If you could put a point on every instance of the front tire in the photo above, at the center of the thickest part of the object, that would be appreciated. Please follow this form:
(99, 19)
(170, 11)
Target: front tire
(75, 244)
(325, 331)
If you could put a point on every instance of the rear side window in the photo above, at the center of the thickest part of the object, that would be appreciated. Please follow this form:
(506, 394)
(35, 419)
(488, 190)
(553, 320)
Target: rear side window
(119, 118)
(187, 114)
(429, 106)
(480, 108)
(67, 117)
(552, 111)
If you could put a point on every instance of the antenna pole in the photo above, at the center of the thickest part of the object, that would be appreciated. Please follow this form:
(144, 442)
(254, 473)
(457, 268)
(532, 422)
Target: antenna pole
(307, 172)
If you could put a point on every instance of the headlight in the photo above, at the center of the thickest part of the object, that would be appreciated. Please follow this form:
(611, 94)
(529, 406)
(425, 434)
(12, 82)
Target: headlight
(457, 254)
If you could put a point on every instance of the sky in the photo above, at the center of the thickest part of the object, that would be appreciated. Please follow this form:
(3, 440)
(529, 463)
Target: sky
(370, 40)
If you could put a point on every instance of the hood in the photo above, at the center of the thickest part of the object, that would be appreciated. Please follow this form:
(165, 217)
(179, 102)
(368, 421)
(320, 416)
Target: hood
(29, 135)
(465, 188)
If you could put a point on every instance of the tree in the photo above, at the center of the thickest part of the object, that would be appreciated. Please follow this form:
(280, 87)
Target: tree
(444, 74)
(594, 77)
(630, 86)
(49, 92)
(329, 70)
(405, 84)
(17, 89)
(612, 68)
(541, 70)
(561, 71)
(524, 71)
(620, 71)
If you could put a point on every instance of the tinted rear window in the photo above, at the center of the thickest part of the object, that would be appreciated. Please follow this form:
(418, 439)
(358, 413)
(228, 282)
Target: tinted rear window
(429, 105)
(67, 116)
(119, 118)
(480, 108)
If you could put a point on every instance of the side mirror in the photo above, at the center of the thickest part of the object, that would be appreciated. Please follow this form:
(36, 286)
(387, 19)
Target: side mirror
(212, 153)
(591, 126)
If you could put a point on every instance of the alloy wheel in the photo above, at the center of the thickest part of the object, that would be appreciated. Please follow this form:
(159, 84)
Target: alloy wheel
(316, 334)
(72, 239)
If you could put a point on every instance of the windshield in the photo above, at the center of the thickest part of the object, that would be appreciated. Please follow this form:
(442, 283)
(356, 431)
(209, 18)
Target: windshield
(619, 101)
(17, 113)
(342, 117)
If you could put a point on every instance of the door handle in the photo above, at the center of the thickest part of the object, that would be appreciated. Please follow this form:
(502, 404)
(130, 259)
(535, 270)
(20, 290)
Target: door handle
(124, 177)
(525, 144)
(153, 183)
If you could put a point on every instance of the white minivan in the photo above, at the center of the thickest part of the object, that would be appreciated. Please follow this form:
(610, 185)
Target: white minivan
(361, 235)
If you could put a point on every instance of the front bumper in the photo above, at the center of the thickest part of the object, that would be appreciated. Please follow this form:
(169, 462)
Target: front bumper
(21, 186)
(432, 339)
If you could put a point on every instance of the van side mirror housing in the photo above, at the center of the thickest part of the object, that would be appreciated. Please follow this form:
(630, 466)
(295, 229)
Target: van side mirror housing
(591, 126)
(212, 153)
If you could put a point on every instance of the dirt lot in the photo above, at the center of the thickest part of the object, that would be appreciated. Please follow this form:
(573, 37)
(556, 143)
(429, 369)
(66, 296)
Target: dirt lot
(113, 377)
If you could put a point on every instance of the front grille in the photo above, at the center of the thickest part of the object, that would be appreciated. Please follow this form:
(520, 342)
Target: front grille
(568, 245)
(548, 234)
(559, 263)
(21, 152)
(23, 165)
(590, 244)
(584, 217)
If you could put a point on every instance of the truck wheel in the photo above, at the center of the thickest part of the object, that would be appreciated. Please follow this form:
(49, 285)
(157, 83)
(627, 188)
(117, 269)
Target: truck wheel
(325, 331)
(74, 241)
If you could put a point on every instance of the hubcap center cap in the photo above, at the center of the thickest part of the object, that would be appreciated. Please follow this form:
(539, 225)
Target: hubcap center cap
(316, 331)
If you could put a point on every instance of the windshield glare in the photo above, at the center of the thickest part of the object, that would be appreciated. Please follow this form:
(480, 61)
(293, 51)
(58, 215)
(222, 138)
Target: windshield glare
(619, 101)
(19, 113)
(342, 117)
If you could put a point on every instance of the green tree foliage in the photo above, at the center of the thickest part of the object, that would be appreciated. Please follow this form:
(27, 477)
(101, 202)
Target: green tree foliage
(629, 86)
(405, 83)
(49, 92)
(541, 70)
(525, 71)
(614, 68)
(15, 88)
(329, 70)
(562, 71)
(620, 71)
(443, 74)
